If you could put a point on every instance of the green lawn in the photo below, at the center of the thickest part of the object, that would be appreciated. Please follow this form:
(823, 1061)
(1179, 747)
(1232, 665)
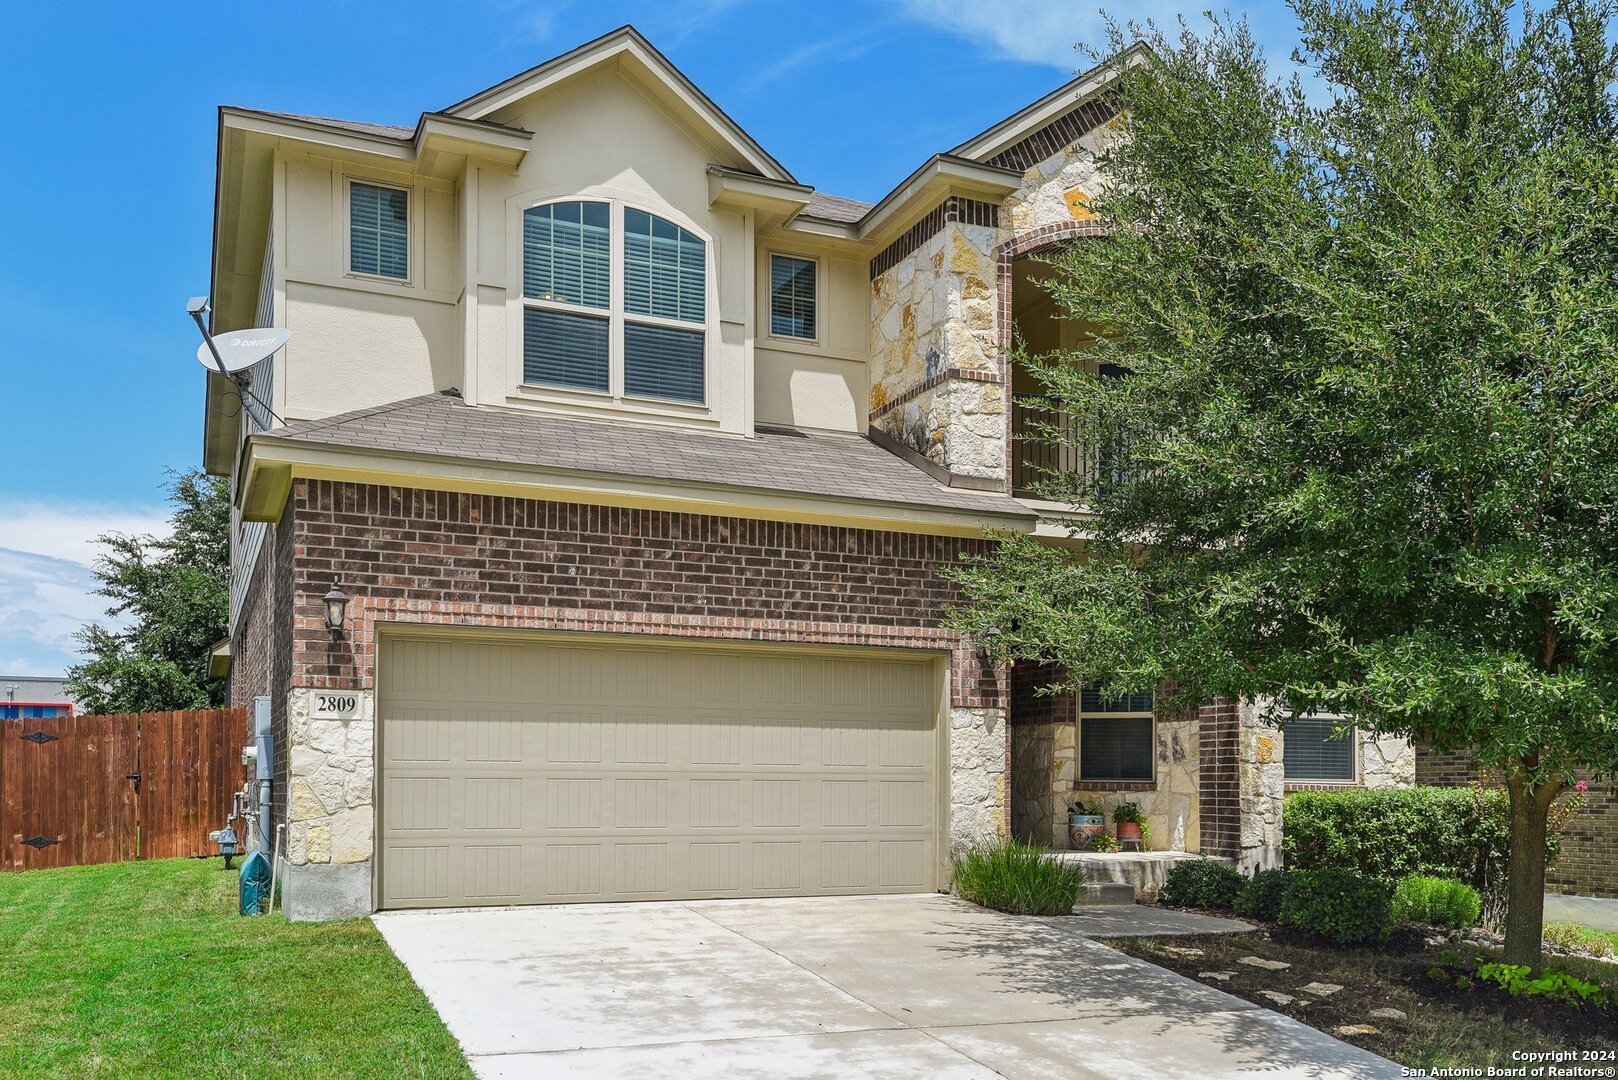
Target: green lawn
(144, 969)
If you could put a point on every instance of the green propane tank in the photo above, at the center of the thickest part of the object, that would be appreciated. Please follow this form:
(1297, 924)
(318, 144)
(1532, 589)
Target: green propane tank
(255, 884)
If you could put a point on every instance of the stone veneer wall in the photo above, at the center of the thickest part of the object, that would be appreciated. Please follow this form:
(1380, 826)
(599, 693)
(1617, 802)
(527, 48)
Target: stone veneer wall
(936, 382)
(1386, 761)
(1044, 770)
(417, 556)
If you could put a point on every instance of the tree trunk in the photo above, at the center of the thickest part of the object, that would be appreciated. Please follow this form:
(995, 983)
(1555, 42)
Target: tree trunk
(1525, 880)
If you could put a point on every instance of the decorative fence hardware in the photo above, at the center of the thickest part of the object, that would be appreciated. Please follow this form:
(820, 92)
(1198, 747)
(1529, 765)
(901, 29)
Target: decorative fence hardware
(39, 738)
(37, 842)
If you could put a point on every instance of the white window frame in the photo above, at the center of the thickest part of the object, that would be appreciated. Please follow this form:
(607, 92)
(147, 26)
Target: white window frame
(771, 254)
(412, 259)
(1079, 715)
(615, 314)
(1353, 741)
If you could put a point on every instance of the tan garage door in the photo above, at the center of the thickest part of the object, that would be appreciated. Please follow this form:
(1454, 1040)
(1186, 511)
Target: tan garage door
(558, 770)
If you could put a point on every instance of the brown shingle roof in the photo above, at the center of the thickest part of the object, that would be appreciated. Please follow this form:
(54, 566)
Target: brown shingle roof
(777, 460)
(836, 208)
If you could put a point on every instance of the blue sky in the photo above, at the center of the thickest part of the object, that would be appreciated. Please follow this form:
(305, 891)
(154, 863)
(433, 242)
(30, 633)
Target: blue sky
(105, 232)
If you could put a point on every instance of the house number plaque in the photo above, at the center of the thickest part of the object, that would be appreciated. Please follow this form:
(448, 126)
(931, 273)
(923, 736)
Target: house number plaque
(330, 706)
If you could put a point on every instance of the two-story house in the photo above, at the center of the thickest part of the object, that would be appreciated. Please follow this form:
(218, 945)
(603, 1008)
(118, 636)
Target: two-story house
(592, 528)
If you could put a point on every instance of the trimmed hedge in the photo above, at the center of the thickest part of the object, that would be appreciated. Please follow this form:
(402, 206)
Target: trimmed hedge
(1338, 906)
(1202, 883)
(1263, 894)
(1391, 833)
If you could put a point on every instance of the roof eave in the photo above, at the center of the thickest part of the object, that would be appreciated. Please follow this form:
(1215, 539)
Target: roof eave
(625, 40)
(270, 463)
(1070, 95)
(941, 175)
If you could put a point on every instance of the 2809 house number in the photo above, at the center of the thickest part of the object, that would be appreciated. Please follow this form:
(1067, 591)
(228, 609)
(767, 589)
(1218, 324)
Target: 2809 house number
(335, 704)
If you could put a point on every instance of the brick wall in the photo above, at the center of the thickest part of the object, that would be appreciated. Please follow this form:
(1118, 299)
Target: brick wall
(1219, 778)
(430, 556)
(1588, 864)
(261, 650)
(1029, 706)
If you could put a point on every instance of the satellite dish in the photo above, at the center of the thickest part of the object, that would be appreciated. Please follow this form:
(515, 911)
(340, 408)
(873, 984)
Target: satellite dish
(241, 349)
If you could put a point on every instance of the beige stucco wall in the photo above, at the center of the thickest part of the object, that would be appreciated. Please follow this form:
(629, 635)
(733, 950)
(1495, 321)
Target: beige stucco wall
(360, 341)
(599, 136)
(820, 384)
(457, 321)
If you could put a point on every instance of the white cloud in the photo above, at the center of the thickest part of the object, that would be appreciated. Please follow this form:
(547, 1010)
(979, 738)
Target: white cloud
(42, 602)
(841, 47)
(46, 586)
(1036, 31)
(69, 531)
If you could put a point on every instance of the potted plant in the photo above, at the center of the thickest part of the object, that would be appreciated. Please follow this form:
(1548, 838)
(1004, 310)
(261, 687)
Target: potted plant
(1083, 826)
(1131, 824)
(1103, 842)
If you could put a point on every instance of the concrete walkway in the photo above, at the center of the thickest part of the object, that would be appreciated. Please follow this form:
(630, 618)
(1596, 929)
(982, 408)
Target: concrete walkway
(895, 987)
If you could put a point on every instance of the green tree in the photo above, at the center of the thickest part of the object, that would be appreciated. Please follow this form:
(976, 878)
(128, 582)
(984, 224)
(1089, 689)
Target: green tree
(175, 593)
(1365, 455)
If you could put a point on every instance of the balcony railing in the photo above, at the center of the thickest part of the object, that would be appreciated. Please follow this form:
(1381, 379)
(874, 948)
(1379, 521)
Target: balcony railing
(1036, 453)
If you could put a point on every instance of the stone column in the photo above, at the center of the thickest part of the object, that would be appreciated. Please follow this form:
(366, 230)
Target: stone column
(937, 392)
(1261, 787)
(331, 804)
(978, 793)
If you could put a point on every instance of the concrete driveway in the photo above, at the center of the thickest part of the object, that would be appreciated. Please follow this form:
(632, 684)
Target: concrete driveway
(898, 987)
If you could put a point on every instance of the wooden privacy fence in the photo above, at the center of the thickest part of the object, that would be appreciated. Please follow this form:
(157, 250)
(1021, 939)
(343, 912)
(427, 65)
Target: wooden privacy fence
(97, 789)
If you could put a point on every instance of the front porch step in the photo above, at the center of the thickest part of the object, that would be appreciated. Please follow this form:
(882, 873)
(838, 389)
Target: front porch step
(1105, 892)
(1141, 872)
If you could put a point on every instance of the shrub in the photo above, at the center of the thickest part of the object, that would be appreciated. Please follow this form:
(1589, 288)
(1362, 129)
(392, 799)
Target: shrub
(1202, 883)
(1338, 906)
(1436, 901)
(1391, 833)
(1016, 878)
(1262, 895)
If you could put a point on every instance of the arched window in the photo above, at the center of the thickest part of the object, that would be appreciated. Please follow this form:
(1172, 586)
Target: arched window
(647, 341)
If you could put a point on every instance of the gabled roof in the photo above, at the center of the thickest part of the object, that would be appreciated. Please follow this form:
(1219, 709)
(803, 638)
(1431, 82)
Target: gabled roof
(777, 462)
(358, 127)
(1059, 102)
(628, 42)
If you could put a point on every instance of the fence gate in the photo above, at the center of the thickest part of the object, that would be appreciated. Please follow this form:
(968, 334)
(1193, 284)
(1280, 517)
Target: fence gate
(96, 789)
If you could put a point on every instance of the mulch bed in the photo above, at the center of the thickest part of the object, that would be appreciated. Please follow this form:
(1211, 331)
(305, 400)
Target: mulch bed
(1443, 1026)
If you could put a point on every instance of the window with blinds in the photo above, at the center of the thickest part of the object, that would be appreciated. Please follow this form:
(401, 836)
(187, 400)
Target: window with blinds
(1115, 737)
(1318, 749)
(573, 325)
(792, 297)
(378, 231)
(665, 278)
(566, 265)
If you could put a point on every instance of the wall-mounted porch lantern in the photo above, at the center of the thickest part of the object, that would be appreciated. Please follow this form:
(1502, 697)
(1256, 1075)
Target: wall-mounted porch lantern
(336, 610)
(986, 643)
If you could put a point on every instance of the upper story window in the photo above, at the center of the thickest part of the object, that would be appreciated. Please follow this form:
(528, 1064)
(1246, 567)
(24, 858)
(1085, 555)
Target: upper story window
(1115, 737)
(588, 325)
(792, 297)
(379, 231)
(1319, 749)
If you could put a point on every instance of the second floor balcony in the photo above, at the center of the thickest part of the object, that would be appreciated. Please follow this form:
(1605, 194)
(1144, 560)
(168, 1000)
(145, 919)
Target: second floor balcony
(1049, 439)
